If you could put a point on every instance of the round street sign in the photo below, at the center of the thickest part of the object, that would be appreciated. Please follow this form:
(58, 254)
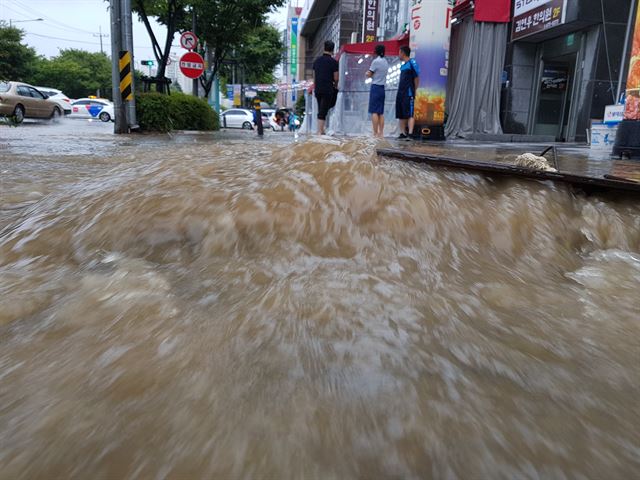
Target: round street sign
(192, 65)
(188, 41)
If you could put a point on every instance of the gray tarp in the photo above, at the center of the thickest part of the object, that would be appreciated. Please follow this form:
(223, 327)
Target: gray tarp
(350, 115)
(473, 94)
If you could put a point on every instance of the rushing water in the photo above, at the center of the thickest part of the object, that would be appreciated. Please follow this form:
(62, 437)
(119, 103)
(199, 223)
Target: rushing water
(258, 310)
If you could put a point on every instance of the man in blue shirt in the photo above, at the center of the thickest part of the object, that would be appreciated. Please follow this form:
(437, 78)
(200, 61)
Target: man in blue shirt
(407, 89)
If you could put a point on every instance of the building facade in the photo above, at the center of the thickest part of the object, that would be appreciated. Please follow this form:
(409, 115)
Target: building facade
(563, 66)
(564, 59)
(336, 20)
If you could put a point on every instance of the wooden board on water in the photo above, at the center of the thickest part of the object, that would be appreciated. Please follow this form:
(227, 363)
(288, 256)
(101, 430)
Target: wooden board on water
(584, 182)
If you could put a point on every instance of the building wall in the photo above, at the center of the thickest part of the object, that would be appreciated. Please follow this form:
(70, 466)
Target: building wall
(342, 18)
(600, 64)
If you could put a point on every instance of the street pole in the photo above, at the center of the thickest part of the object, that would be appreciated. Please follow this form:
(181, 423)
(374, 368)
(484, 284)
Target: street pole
(127, 37)
(625, 48)
(256, 105)
(193, 29)
(101, 36)
(116, 47)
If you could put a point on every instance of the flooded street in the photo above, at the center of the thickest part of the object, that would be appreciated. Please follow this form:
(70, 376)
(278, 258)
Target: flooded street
(216, 306)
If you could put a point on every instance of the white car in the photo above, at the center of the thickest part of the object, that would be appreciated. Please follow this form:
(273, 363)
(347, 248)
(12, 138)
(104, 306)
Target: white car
(57, 96)
(92, 108)
(237, 118)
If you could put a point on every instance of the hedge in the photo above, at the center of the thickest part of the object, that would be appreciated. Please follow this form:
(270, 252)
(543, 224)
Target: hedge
(162, 113)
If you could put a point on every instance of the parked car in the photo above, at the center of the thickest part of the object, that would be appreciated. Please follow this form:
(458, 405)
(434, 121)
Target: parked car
(57, 96)
(21, 101)
(269, 111)
(92, 108)
(237, 118)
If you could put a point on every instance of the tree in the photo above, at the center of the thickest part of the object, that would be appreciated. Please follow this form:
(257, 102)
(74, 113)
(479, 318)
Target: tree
(222, 25)
(17, 61)
(226, 27)
(76, 72)
(171, 13)
(258, 57)
(261, 53)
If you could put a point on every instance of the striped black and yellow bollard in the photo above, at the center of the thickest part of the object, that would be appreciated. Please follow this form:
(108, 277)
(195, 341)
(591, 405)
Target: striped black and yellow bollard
(126, 76)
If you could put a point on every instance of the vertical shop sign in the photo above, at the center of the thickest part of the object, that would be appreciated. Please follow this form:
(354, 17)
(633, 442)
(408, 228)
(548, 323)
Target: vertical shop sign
(294, 47)
(632, 103)
(370, 24)
(430, 25)
(237, 94)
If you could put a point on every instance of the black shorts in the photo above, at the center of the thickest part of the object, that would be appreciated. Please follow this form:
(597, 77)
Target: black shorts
(326, 101)
(404, 107)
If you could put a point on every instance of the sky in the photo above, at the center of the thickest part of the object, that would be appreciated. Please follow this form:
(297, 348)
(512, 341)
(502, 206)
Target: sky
(77, 24)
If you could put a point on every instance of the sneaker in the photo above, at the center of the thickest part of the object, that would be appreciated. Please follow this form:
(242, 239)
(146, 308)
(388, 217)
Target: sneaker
(402, 136)
(408, 138)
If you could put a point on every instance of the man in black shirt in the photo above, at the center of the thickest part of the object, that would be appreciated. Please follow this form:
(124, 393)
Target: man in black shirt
(325, 78)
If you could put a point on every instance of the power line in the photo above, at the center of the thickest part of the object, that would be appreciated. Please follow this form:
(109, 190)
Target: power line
(63, 39)
(82, 41)
(50, 19)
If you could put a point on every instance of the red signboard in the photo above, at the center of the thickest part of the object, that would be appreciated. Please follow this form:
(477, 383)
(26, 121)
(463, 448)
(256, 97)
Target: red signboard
(498, 11)
(192, 65)
(370, 21)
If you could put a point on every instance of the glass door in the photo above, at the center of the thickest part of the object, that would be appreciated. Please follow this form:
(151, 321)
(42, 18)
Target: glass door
(555, 93)
(554, 96)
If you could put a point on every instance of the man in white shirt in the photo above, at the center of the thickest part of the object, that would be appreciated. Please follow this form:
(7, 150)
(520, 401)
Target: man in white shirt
(378, 74)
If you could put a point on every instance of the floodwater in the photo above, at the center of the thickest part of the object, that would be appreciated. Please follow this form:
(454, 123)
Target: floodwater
(243, 309)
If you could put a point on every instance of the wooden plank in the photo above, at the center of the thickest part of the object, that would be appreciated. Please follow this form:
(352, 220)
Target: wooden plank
(585, 182)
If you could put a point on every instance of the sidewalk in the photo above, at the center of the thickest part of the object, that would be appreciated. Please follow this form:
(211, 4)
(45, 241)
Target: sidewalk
(575, 159)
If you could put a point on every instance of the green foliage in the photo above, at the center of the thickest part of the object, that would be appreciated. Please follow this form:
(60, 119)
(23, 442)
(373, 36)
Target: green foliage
(163, 113)
(76, 72)
(268, 97)
(174, 15)
(260, 54)
(224, 26)
(153, 112)
(300, 104)
(17, 61)
(191, 113)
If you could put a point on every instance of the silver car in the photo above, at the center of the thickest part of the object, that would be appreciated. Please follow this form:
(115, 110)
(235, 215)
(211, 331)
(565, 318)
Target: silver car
(237, 118)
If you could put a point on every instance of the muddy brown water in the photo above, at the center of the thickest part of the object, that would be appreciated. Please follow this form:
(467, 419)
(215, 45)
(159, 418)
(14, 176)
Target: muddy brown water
(265, 310)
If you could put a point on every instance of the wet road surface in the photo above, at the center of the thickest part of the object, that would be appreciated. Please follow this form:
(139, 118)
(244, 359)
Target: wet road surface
(214, 306)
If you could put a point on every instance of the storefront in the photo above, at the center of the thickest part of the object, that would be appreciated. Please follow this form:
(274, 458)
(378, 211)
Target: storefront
(563, 66)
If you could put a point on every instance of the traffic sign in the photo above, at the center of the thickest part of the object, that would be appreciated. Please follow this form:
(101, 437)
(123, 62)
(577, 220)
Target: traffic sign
(192, 65)
(188, 41)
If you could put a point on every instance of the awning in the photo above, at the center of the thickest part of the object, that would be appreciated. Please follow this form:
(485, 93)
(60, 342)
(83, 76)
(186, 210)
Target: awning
(392, 47)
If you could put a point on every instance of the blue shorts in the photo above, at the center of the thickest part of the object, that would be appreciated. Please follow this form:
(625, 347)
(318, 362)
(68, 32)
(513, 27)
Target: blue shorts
(404, 107)
(376, 99)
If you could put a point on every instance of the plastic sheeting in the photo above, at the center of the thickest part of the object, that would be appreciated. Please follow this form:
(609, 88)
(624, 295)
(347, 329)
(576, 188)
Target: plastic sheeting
(473, 100)
(350, 115)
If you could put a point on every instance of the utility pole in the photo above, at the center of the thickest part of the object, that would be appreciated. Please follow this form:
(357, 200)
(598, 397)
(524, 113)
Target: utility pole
(193, 29)
(101, 35)
(122, 66)
(116, 47)
(127, 36)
